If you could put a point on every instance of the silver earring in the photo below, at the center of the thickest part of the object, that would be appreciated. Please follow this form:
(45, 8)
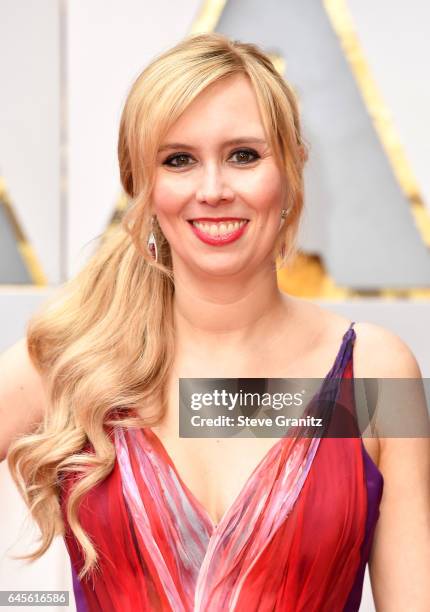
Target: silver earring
(152, 243)
(284, 212)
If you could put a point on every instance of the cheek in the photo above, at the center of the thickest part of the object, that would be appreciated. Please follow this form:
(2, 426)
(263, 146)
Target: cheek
(264, 189)
(169, 195)
(267, 196)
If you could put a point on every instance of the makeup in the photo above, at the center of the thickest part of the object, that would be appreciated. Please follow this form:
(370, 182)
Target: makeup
(219, 232)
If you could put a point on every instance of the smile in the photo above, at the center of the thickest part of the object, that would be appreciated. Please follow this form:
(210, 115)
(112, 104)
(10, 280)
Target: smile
(218, 233)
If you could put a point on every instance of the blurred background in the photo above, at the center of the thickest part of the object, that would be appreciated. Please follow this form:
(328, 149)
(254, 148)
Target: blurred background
(357, 69)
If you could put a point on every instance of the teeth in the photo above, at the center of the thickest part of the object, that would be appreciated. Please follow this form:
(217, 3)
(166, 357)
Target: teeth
(219, 229)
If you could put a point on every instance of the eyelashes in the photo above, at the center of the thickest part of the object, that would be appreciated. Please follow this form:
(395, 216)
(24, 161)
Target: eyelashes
(184, 156)
(251, 152)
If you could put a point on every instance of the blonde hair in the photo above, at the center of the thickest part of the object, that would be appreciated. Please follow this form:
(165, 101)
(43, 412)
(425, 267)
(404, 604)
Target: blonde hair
(104, 343)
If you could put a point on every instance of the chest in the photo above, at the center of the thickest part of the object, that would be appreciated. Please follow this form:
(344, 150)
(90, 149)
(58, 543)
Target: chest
(216, 470)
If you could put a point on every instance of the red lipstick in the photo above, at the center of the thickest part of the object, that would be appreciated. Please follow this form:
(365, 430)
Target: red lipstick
(218, 219)
(219, 240)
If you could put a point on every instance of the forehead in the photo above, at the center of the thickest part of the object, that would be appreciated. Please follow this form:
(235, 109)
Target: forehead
(229, 105)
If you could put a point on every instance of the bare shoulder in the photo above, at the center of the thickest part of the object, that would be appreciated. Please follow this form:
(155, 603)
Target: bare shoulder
(380, 353)
(23, 395)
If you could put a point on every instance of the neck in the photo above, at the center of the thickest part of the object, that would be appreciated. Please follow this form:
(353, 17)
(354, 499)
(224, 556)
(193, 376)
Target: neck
(227, 312)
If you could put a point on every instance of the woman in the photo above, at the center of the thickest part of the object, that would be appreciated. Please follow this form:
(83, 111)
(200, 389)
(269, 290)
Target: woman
(211, 155)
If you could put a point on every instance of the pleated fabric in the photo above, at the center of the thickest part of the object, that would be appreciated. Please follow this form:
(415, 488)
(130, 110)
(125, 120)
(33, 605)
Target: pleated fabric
(296, 538)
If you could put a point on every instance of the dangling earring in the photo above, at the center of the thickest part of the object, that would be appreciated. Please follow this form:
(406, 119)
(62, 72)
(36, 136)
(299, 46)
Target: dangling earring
(152, 243)
(284, 214)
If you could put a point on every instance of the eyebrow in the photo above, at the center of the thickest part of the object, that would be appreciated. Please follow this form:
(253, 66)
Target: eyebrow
(233, 141)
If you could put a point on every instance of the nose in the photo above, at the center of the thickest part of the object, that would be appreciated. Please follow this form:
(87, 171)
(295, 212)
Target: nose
(213, 189)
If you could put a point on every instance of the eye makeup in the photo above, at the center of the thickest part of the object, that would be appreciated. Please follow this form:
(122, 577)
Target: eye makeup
(247, 151)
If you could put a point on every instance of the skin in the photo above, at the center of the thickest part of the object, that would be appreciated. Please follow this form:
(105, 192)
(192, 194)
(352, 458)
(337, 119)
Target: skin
(227, 298)
(232, 321)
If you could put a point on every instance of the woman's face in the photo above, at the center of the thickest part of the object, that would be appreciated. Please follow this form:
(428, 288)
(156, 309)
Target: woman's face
(215, 168)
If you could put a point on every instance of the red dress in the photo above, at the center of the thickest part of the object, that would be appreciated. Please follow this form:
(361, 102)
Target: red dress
(297, 537)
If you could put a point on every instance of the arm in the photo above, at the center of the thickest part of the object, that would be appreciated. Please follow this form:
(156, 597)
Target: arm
(399, 565)
(22, 395)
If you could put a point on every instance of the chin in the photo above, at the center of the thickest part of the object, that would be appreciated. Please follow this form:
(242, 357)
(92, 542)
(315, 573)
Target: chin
(218, 269)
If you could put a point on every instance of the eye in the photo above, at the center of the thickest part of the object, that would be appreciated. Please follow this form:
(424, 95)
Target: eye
(181, 157)
(180, 160)
(244, 155)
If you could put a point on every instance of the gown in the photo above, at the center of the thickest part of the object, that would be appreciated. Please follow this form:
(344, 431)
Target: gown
(297, 537)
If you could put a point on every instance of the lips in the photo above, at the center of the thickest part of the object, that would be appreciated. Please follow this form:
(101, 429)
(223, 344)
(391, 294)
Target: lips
(216, 238)
(218, 219)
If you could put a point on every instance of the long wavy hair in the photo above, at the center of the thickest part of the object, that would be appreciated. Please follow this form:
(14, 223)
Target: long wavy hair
(104, 342)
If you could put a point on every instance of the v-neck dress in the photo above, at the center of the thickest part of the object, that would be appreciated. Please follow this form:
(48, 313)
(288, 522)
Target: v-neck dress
(297, 537)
